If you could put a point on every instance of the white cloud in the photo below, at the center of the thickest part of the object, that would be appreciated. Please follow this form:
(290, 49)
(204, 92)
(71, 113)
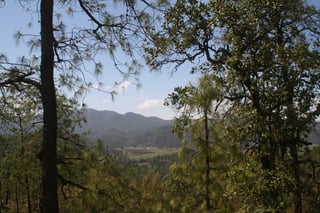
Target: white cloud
(98, 87)
(117, 87)
(150, 103)
(121, 87)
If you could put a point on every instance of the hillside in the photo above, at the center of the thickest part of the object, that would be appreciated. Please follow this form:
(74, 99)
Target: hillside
(132, 129)
(128, 129)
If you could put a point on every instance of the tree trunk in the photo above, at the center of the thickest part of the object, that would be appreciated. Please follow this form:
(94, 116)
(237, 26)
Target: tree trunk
(49, 196)
(208, 200)
(17, 200)
(28, 194)
(296, 173)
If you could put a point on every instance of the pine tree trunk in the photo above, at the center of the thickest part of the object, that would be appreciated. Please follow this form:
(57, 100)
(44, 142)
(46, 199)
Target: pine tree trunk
(49, 197)
(296, 173)
(208, 200)
(28, 194)
(17, 200)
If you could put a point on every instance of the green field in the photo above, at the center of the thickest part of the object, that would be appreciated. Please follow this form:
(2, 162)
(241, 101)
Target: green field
(137, 153)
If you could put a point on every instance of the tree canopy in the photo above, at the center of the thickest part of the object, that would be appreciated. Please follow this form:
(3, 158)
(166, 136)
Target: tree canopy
(264, 58)
(60, 55)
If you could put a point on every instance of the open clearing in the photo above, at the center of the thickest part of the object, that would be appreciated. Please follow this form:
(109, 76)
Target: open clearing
(137, 153)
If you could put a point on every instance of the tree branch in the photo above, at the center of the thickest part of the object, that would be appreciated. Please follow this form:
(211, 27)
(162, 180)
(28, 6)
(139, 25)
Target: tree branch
(69, 182)
(85, 9)
(21, 79)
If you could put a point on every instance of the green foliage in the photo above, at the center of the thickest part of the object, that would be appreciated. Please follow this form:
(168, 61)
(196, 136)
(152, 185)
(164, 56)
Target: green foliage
(20, 151)
(112, 186)
(310, 165)
(199, 178)
(263, 58)
(251, 188)
(65, 53)
(19, 148)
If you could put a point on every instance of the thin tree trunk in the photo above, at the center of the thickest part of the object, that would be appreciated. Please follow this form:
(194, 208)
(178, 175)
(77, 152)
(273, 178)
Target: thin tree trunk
(17, 200)
(1, 206)
(28, 195)
(208, 200)
(49, 196)
(296, 173)
(7, 200)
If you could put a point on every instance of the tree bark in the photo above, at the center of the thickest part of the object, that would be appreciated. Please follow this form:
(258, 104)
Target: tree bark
(17, 199)
(28, 194)
(208, 200)
(296, 174)
(49, 196)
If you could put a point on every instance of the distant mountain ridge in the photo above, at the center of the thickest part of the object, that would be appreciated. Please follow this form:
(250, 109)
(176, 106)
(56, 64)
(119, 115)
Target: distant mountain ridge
(128, 129)
(132, 129)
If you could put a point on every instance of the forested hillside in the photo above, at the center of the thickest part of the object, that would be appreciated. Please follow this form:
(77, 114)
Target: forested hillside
(103, 122)
(128, 129)
(131, 129)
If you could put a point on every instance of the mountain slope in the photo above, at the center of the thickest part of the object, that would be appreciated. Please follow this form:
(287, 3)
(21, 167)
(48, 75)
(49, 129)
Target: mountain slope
(128, 123)
(127, 129)
(159, 137)
(132, 129)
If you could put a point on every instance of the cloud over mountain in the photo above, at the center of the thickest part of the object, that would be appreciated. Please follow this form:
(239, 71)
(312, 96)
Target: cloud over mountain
(150, 103)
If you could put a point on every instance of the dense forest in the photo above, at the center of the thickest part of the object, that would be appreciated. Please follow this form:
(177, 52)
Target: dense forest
(244, 126)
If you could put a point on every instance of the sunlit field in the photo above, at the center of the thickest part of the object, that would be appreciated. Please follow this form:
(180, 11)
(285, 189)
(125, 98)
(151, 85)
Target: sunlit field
(137, 153)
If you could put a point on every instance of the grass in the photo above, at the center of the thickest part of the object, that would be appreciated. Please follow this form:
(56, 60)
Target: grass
(137, 153)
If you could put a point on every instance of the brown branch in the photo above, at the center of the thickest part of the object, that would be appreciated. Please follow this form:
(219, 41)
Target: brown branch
(103, 192)
(85, 9)
(21, 79)
(69, 182)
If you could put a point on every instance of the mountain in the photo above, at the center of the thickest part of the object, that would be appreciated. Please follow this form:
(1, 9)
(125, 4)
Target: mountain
(99, 121)
(161, 136)
(128, 129)
(132, 129)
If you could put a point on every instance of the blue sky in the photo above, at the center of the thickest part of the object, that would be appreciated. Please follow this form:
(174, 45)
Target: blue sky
(146, 100)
